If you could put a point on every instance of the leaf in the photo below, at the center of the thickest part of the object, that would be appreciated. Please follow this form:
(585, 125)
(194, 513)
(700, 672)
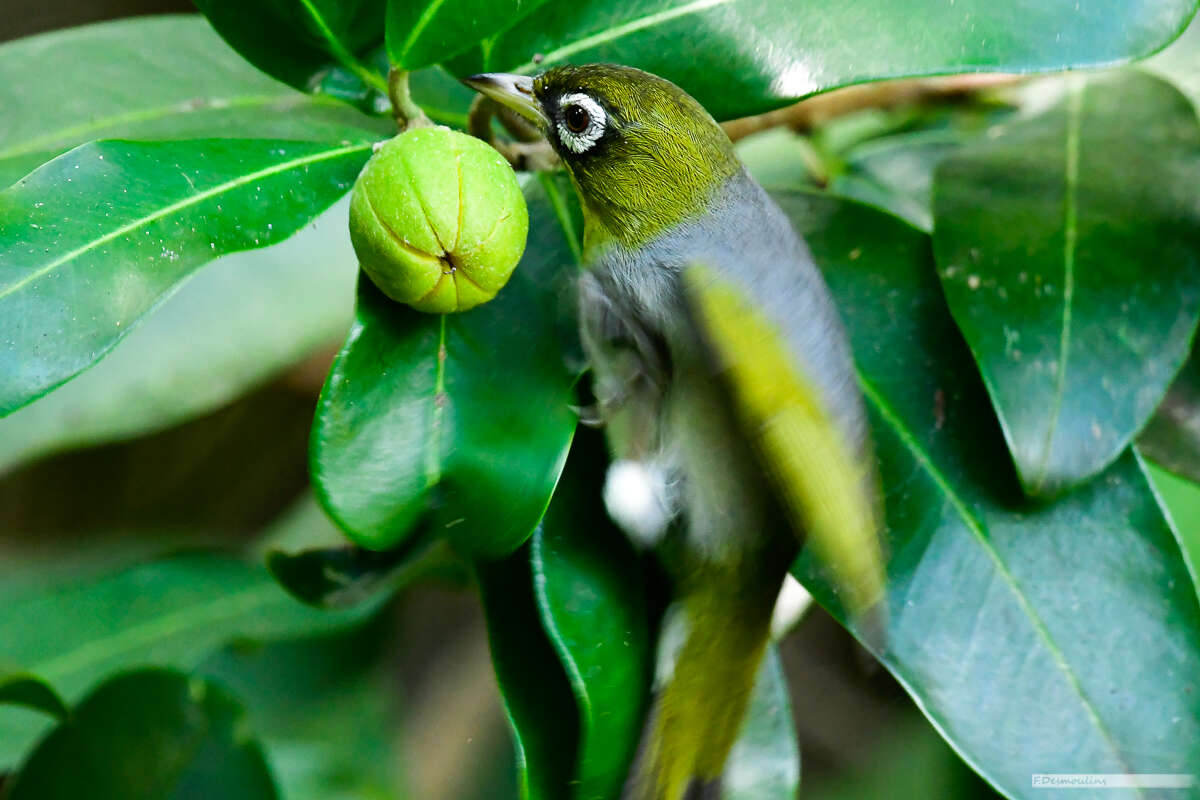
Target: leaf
(344, 577)
(432, 31)
(765, 761)
(1181, 498)
(591, 623)
(102, 234)
(28, 691)
(537, 693)
(442, 96)
(461, 422)
(741, 57)
(1071, 262)
(1172, 438)
(107, 83)
(591, 593)
(1180, 63)
(340, 742)
(171, 612)
(301, 41)
(150, 733)
(235, 324)
(1062, 635)
(895, 174)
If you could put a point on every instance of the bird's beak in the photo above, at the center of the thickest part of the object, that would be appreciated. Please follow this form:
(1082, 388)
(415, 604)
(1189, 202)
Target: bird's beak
(511, 91)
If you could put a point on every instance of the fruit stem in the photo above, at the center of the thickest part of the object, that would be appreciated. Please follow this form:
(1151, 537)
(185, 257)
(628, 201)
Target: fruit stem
(404, 109)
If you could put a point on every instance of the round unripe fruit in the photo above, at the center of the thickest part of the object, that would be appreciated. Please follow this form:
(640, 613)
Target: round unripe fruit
(437, 220)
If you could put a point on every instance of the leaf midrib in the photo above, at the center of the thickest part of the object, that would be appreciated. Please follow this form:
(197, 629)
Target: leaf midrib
(179, 205)
(422, 23)
(79, 133)
(975, 525)
(341, 52)
(1070, 240)
(175, 623)
(618, 31)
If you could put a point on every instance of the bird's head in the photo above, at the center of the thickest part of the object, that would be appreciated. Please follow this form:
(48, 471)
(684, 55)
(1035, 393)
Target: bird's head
(643, 153)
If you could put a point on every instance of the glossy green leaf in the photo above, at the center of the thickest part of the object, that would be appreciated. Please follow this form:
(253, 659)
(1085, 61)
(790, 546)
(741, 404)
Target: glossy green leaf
(1173, 436)
(139, 79)
(1070, 258)
(1060, 637)
(150, 733)
(460, 422)
(77, 273)
(301, 41)
(172, 612)
(765, 761)
(205, 345)
(537, 693)
(591, 591)
(745, 56)
(424, 32)
(30, 692)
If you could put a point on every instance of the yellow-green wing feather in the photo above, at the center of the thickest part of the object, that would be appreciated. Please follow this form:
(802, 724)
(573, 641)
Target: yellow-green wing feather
(825, 486)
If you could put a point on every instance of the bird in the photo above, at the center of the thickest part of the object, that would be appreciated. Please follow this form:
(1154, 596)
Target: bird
(724, 380)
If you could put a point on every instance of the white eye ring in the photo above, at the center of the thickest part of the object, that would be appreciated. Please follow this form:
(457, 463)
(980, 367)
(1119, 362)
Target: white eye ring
(597, 119)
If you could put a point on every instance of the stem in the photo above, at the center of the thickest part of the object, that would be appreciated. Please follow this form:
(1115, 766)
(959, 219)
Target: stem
(405, 111)
(530, 152)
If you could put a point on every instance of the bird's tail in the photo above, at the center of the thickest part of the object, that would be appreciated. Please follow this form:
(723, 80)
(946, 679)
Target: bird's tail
(698, 711)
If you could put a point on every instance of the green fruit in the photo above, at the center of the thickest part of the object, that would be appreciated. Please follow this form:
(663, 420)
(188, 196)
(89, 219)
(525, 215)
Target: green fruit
(437, 220)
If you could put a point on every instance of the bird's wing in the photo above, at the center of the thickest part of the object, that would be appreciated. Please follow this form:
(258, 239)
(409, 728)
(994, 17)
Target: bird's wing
(825, 482)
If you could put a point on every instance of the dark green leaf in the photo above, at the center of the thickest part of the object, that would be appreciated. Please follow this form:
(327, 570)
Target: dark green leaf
(143, 79)
(343, 577)
(765, 761)
(101, 234)
(172, 612)
(1173, 436)
(591, 594)
(746, 56)
(1054, 638)
(301, 42)
(28, 691)
(537, 692)
(461, 422)
(596, 612)
(1070, 258)
(233, 325)
(339, 742)
(424, 32)
(148, 734)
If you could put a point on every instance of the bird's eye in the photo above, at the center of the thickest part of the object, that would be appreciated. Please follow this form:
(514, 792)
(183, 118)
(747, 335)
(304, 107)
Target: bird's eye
(577, 118)
(581, 122)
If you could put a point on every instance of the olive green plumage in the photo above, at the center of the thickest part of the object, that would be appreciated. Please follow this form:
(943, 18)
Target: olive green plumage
(659, 161)
(727, 389)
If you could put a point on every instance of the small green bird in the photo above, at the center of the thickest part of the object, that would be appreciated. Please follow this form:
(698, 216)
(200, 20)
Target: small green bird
(725, 383)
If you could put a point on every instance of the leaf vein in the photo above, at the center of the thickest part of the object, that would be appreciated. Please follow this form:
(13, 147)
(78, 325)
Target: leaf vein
(976, 526)
(179, 205)
(625, 29)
